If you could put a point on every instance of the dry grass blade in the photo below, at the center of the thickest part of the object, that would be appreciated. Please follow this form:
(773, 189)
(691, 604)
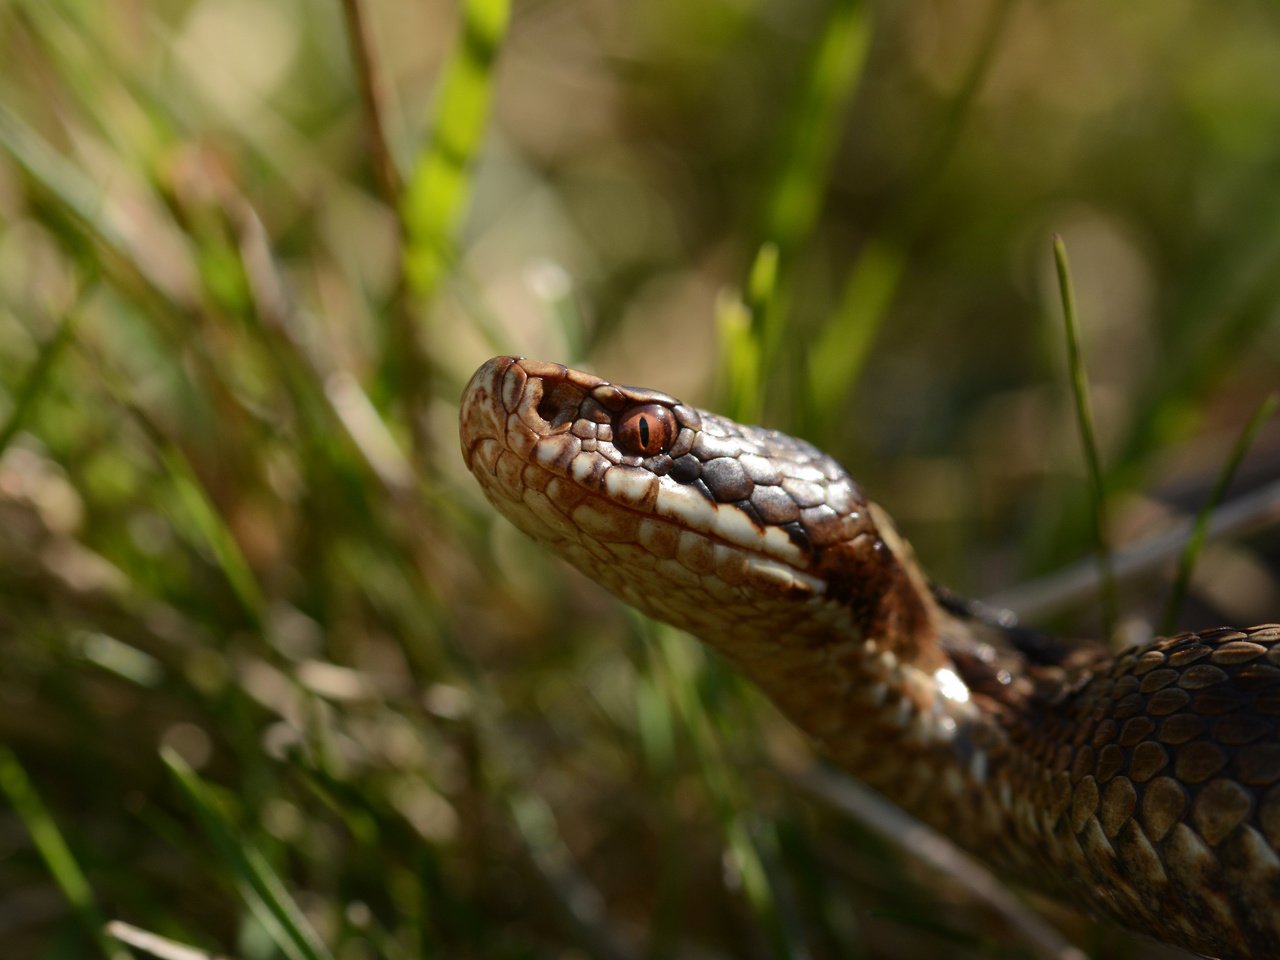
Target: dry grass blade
(373, 95)
(154, 945)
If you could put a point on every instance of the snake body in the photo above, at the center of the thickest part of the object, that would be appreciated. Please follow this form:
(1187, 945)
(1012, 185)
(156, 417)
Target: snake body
(1144, 787)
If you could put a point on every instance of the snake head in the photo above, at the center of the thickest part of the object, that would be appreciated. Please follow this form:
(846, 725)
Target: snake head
(691, 517)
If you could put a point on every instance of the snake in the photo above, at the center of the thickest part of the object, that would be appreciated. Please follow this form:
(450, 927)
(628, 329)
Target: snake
(1141, 786)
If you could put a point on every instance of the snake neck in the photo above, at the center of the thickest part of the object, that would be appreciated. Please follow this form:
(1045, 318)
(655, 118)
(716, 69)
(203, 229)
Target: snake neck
(944, 709)
(864, 657)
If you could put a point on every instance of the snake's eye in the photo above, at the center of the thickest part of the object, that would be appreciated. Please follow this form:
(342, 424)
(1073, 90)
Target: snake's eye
(645, 431)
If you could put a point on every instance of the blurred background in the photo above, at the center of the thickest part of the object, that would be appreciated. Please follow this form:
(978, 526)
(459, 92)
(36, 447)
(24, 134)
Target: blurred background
(276, 681)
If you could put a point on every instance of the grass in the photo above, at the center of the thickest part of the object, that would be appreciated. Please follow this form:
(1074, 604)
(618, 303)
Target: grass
(1088, 435)
(278, 683)
(47, 838)
(1195, 543)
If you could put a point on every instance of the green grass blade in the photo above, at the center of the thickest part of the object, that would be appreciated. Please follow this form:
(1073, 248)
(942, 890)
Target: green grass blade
(1216, 312)
(36, 380)
(796, 194)
(1199, 534)
(951, 126)
(1200, 361)
(53, 849)
(741, 348)
(260, 887)
(750, 846)
(795, 197)
(85, 205)
(440, 183)
(842, 348)
(47, 168)
(1088, 440)
(210, 526)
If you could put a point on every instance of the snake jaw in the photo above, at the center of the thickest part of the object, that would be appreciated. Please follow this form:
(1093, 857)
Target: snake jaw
(722, 517)
(714, 481)
(539, 438)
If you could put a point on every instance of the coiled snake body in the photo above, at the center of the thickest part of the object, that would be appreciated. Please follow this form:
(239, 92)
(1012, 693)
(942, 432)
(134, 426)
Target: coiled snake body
(1143, 787)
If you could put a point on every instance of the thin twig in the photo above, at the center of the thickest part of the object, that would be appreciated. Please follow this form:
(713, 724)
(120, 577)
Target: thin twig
(1081, 581)
(928, 846)
(372, 98)
(406, 358)
(579, 904)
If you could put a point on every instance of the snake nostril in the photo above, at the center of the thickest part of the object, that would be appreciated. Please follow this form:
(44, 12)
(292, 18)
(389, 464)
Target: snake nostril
(560, 404)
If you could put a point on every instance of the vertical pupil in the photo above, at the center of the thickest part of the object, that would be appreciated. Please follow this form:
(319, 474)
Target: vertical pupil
(644, 432)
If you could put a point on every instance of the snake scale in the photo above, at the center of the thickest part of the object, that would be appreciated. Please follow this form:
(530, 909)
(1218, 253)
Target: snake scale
(1144, 786)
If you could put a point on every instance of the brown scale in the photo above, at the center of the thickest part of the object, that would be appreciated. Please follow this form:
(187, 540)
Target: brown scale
(1144, 787)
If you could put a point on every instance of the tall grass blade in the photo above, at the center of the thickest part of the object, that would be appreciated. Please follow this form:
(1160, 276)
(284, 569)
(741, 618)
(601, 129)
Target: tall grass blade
(741, 336)
(440, 183)
(1217, 311)
(21, 794)
(1199, 534)
(259, 886)
(1088, 440)
(209, 524)
(841, 350)
(36, 380)
(794, 198)
(799, 185)
(749, 846)
(87, 205)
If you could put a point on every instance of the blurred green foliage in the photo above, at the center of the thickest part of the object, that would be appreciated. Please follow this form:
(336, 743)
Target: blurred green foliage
(249, 255)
